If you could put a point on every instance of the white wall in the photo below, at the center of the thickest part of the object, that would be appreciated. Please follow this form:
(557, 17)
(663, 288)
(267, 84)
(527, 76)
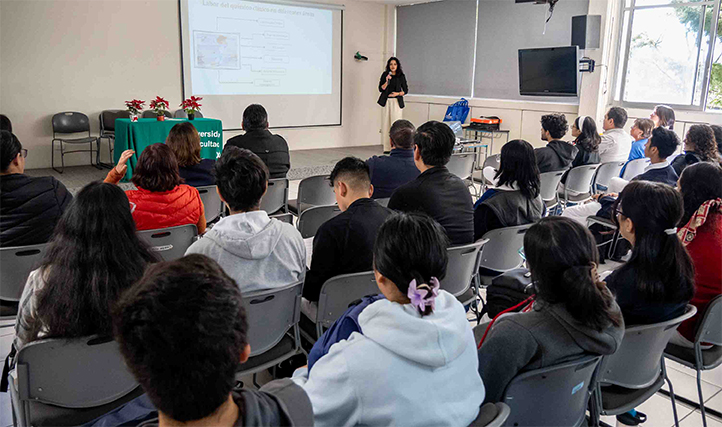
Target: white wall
(92, 55)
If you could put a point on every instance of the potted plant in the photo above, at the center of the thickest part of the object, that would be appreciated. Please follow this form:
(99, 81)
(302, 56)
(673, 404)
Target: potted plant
(134, 108)
(159, 105)
(191, 106)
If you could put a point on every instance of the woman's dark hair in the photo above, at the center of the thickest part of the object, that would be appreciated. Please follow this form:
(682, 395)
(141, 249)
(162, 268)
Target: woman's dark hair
(589, 139)
(666, 116)
(704, 142)
(717, 129)
(699, 182)
(255, 117)
(518, 166)
(411, 247)
(399, 70)
(555, 124)
(157, 169)
(663, 268)
(185, 142)
(94, 256)
(9, 148)
(562, 258)
(5, 123)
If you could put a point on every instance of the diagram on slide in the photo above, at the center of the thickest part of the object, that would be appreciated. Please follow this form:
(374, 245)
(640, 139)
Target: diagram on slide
(217, 50)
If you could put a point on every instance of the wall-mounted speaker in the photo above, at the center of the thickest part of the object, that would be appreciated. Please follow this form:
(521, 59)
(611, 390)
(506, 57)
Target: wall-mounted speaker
(586, 31)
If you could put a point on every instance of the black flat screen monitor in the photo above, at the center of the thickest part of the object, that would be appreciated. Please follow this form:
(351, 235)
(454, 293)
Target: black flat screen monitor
(552, 71)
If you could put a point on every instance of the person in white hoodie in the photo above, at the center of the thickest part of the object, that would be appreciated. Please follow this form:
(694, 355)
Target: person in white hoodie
(414, 361)
(616, 142)
(258, 252)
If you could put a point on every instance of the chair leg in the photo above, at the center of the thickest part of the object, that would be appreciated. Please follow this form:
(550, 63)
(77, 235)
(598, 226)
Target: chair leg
(671, 393)
(701, 399)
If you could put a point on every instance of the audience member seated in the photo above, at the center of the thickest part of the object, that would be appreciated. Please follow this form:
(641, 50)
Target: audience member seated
(718, 137)
(584, 129)
(701, 233)
(182, 330)
(29, 206)
(437, 192)
(5, 123)
(93, 257)
(161, 200)
(258, 252)
(616, 143)
(185, 142)
(641, 131)
(345, 243)
(663, 116)
(574, 313)
(272, 149)
(415, 342)
(515, 199)
(700, 145)
(557, 155)
(390, 172)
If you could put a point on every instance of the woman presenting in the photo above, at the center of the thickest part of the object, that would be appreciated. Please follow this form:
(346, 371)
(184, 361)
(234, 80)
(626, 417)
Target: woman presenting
(393, 88)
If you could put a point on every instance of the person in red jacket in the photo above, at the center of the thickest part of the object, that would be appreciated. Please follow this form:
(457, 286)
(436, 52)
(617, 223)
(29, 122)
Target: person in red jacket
(161, 199)
(701, 233)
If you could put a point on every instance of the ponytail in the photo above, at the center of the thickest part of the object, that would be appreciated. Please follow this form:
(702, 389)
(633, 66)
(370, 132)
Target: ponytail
(588, 299)
(423, 295)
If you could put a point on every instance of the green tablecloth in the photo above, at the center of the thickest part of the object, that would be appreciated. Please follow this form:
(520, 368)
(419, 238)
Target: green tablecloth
(138, 135)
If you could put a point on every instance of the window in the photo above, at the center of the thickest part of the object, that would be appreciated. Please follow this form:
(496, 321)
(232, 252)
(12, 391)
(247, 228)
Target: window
(672, 54)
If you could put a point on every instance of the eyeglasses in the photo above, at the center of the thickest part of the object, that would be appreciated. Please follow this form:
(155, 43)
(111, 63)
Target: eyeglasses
(618, 211)
(24, 152)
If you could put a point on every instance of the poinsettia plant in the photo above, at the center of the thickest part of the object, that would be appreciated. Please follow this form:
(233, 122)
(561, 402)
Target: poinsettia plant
(159, 105)
(191, 104)
(135, 106)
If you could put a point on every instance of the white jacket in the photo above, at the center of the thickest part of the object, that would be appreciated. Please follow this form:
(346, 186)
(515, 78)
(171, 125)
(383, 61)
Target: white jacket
(615, 146)
(404, 370)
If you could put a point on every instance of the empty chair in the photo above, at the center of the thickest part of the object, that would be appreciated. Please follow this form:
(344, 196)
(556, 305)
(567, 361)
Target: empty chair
(502, 251)
(634, 168)
(312, 218)
(276, 198)
(69, 382)
(462, 165)
(461, 269)
(553, 396)
(549, 181)
(150, 114)
(578, 187)
(17, 262)
(493, 161)
(492, 415)
(605, 173)
(312, 191)
(107, 130)
(709, 330)
(170, 243)
(65, 124)
(181, 114)
(212, 204)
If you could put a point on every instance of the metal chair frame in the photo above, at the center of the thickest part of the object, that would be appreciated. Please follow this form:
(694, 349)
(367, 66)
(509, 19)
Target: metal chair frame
(80, 127)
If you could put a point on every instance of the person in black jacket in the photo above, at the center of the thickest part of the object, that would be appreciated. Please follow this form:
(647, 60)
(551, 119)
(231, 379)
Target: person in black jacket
(557, 155)
(393, 87)
(437, 192)
(700, 145)
(185, 142)
(29, 206)
(390, 172)
(272, 149)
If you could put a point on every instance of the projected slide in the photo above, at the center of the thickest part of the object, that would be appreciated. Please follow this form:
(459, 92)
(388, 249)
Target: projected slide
(249, 48)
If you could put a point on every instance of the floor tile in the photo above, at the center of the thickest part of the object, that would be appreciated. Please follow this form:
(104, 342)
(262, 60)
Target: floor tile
(659, 411)
(695, 420)
(714, 402)
(685, 384)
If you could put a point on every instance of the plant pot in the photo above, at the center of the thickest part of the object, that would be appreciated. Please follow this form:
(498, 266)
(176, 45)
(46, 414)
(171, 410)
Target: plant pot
(191, 116)
(160, 117)
(133, 117)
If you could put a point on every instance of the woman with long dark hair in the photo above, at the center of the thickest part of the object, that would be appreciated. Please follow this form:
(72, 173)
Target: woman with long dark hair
(663, 116)
(515, 198)
(93, 257)
(587, 141)
(574, 313)
(700, 145)
(393, 87)
(185, 142)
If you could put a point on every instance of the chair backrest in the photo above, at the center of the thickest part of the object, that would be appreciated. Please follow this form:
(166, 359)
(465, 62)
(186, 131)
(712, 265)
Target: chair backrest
(552, 396)
(549, 183)
(312, 218)
(170, 243)
(315, 191)
(271, 313)
(634, 168)
(212, 204)
(462, 165)
(461, 268)
(493, 161)
(501, 252)
(580, 179)
(70, 122)
(710, 327)
(499, 410)
(276, 197)
(107, 119)
(637, 362)
(340, 291)
(181, 114)
(150, 114)
(384, 202)
(17, 262)
(605, 173)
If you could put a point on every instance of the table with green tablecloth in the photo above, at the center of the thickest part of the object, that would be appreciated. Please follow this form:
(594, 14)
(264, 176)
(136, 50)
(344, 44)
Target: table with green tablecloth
(138, 135)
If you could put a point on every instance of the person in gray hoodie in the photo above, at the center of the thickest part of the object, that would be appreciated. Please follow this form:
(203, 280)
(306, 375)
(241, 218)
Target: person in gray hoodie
(574, 313)
(557, 155)
(258, 252)
(182, 330)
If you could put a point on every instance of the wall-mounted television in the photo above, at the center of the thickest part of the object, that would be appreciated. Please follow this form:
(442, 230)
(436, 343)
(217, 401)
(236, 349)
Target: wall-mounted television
(550, 71)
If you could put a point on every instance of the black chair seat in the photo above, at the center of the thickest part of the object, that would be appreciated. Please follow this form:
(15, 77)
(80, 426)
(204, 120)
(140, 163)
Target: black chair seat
(78, 140)
(618, 400)
(711, 358)
(284, 347)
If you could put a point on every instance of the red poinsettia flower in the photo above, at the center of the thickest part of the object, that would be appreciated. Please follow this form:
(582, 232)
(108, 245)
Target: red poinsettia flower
(159, 103)
(191, 104)
(135, 105)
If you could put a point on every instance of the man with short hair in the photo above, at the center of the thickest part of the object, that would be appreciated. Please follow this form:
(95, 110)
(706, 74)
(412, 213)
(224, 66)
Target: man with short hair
(272, 149)
(183, 332)
(29, 206)
(436, 191)
(558, 154)
(390, 172)
(344, 244)
(257, 251)
(616, 143)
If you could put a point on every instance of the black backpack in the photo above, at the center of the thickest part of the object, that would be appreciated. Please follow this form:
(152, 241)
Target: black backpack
(507, 290)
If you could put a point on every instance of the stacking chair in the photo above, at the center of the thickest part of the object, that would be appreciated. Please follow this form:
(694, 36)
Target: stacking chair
(276, 198)
(181, 114)
(69, 382)
(605, 173)
(636, 371)
(17, 262)
(501, 252)
(493, 161)
(312, 191)
(578, 187)
(212, 204)
(462, 165)
(150, 114)
(273, 331)
(553, 396)
(709, 330)
(608, 223)
(312, 218)
(460, 271)
(491, 415)
(634, 168)
(65, 124)
(107, 131)
(170, 243)
(548, 188)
